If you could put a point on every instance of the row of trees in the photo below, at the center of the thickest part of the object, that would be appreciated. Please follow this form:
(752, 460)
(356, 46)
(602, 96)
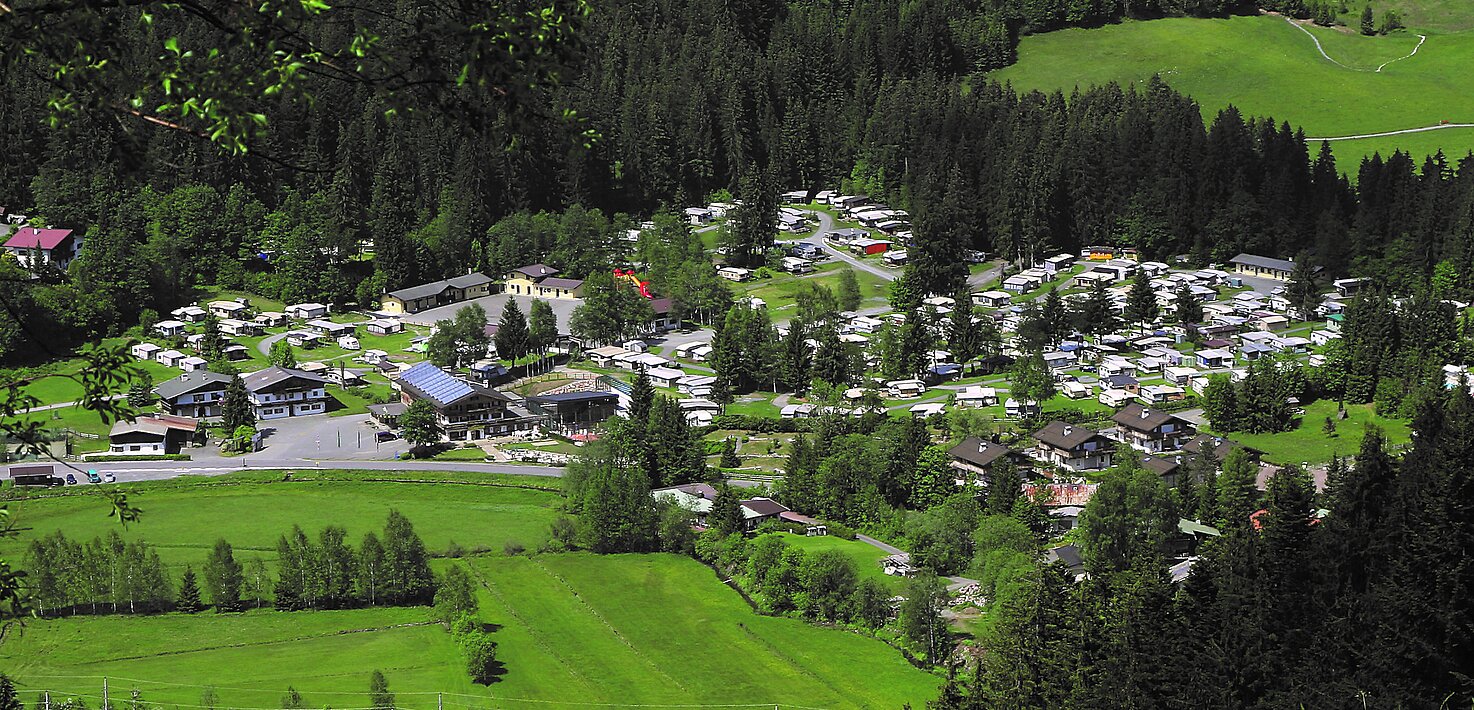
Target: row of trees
(117, 576)
(391, 569)
(1265, 401)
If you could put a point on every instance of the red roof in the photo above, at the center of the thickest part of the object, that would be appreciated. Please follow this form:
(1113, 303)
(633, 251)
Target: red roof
(33, 238)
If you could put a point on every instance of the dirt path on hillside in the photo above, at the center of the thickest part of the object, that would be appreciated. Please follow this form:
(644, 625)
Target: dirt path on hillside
(1384, 134)
(1322, 50)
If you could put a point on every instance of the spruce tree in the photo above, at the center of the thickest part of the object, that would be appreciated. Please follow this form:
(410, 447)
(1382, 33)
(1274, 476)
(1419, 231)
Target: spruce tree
(1304, 289)
(9, 699)
(848, 293)
(1368, 21)
(188, 600)
(729, 458)
(379, 696)
(512, 338)
(1004, 487)
(1141, 301)
(1189, 308)
(1238, 494)
(726, 512)
(235, 409)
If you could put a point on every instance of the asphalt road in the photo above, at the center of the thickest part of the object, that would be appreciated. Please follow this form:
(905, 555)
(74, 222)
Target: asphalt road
(213, 466)
(826, 225)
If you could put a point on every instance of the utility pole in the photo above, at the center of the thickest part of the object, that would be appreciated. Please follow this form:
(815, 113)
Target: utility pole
(104, 693)
(439, 702)
(46, 699)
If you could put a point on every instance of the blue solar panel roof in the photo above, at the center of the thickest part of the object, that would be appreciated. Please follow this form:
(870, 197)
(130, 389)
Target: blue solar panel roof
(435, 384)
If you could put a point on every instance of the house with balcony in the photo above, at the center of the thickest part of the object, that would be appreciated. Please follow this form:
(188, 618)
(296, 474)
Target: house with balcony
(197, 394)
(279, 392)
(974, 459)
(463, 410)
(1072, 447)
(1152, 430)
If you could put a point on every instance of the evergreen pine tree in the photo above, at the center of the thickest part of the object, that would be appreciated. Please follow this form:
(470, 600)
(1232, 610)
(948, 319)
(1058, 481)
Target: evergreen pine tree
(729, 458)
(1141, 301)
(9, 699)
(726, 512)
(1189, 308)
(1004, 487)
(235, 409)
(512, 338)
(188, 600)
(379, 696)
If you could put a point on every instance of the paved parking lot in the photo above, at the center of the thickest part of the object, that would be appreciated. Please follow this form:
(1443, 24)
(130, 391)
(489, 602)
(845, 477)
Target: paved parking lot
(324, 437)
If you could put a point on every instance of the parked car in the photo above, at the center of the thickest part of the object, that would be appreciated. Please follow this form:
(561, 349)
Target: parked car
(71, 480)
(385, 436)
(92, 477)
(109, 477)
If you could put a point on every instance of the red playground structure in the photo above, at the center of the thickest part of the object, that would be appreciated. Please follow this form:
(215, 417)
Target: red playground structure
(644, 286)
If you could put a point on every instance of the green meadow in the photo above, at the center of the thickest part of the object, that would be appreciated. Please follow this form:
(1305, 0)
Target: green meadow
(1266, 67)
(184, 517)
(571, 628)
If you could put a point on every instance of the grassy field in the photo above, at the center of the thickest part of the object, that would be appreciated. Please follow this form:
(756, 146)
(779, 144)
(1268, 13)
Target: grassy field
(1431, 16)
(867, 557)
(183, 517)
(780, 292)
(1266, 67)
(662, 629)
(571, 629)
(1309, 442)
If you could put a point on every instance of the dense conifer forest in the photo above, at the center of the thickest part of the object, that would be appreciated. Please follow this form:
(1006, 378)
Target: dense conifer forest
(672, 101)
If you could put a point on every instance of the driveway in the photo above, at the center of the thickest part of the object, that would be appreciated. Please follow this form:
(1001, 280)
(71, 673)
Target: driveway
(826, 225)
(265, 345)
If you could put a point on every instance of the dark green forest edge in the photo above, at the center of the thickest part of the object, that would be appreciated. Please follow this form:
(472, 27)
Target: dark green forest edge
(1355, 597)
(670, 103)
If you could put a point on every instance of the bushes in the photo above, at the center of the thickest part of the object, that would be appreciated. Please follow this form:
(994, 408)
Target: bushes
(763, 425)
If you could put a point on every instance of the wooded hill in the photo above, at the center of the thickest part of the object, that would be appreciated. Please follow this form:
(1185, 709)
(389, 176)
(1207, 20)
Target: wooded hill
(684, 98)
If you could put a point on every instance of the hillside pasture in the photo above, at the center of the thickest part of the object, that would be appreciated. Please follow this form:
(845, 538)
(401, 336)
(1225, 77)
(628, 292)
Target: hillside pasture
(184, 517)
(570, 628)
(1266, 66)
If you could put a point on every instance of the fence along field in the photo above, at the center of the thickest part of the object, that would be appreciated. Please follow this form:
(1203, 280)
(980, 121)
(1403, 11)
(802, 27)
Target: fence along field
(571, 628)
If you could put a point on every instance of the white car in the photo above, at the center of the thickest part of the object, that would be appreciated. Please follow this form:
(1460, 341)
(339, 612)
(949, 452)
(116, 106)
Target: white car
(109, 477)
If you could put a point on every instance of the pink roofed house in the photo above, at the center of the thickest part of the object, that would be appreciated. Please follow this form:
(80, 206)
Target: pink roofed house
(56, 246)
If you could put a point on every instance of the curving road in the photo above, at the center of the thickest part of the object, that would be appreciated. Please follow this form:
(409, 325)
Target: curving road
(826, 225)
(265, 345)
